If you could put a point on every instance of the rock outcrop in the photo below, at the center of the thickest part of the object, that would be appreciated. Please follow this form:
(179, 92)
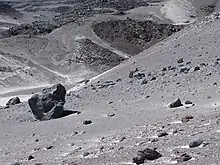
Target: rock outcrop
(49, 104)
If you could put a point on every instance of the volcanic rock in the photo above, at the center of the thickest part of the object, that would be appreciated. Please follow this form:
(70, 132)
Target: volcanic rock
(183, 158)
(146, 154)
(13, 101)
(162, 134)
(49, 104)
(176, 104)
(195, 143)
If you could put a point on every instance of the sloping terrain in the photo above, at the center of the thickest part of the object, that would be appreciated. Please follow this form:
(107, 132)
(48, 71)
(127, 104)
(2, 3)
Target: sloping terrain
(120, 102)
(128, 111)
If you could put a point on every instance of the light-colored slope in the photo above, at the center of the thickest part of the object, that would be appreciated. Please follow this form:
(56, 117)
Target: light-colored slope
(128, 100)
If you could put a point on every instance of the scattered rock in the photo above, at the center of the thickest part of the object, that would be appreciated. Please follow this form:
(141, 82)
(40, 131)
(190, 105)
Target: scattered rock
(131, 73)
(86, 154)
(196, 68)
(162, 134)
(111, 115)
(144, 81)
(122, 139)
(183, 158)
(180, 61)
(30, 157)
(195, 143)
(87, 122)
(139, 75)
(49, 147)
(147, 154)
(13, 101)
(153, 78)
(176, 104)
(184, 69)
(49, 104)
(187, 118)
(188, 102)
(154, 140)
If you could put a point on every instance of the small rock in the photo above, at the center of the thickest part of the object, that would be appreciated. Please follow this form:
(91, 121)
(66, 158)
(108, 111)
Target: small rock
(208, 97)
(183, 158)
(175, 132)
(122, 139)
(147, 154)
(180, 61)
(144, 81)
(110, 102)
(131, 73)
(49, 147)
(30, 157)
(196, 68)
(111, 115)
(154, 140)
(139, 75)
(184, 70)
(86, 154)
(87, 122)
(118, 80)
(176, 104)
(188, 102)
(153, 78)
(162, 134)
(195, 143)
(13, 101)
(187, 118)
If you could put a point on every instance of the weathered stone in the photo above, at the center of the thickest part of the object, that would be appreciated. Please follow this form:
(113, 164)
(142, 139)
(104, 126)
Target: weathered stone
(87, 122)
(49, 104)
(195, 143)
(30, 157)
(147, 154)
(187, 118)
(188, 102)
(13, 101)
(183, 158)
(162, 134)
(176, 104)
(180, 61)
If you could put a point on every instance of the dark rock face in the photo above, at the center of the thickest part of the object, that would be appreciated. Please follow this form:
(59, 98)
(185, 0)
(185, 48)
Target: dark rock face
(13, 101)
(176, 104)
(195, 143)
(49, 104)
(147, 154)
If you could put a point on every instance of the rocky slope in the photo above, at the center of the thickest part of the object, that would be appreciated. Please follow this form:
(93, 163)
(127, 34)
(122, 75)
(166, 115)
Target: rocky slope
(126, 110)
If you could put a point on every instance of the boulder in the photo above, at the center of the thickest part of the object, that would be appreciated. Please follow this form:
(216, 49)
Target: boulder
(147, 154)
(13, 101)
(49, 104)
(176, 104)
(195, 143)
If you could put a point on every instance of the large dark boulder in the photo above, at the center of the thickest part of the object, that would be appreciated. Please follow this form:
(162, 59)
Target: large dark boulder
(49, 104)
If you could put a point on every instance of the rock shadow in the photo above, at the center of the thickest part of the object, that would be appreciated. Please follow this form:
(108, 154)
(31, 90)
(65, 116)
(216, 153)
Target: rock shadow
(69, 112)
